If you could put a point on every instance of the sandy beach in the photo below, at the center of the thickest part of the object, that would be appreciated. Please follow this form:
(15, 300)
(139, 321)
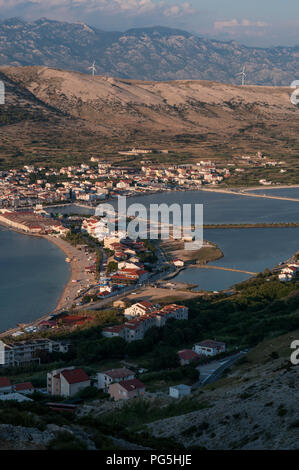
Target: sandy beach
(79, 279)
(78, 261)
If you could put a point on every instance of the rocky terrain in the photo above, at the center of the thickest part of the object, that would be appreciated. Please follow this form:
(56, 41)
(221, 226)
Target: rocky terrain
(30, 438)
(50, 112)
(156, 53)
(254, 407)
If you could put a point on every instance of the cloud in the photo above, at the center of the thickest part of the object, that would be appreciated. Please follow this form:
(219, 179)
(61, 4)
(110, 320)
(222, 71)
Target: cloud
(179, 10)
(107, 14)
(135, 7)
(234, 24)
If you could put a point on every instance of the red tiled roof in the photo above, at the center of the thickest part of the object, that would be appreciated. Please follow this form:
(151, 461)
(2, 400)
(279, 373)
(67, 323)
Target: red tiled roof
(114, 329)
(5, 382)
(74, 376)
(133, 384)
(188, 355)
(119, 373)
(145, 304)
(24, 386)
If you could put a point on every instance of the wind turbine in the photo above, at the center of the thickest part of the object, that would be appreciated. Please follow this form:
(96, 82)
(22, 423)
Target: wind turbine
(243, 75)
(92, 68)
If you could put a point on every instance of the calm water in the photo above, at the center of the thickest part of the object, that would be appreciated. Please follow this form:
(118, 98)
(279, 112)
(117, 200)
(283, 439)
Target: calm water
(283, 192)
(250, 250)
(33, 273)
(70, 209)
(219, 208)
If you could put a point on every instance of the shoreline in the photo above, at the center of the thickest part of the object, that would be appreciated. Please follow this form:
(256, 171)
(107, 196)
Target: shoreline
(68, 294)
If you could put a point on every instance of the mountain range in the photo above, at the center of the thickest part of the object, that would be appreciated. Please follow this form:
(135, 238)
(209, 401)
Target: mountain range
(156, 53)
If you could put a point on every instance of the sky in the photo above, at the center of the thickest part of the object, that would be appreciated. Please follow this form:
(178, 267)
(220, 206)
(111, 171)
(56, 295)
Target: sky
(255, 22)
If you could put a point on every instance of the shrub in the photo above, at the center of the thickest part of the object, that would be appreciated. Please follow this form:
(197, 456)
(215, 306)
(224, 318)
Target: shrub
(66, 441)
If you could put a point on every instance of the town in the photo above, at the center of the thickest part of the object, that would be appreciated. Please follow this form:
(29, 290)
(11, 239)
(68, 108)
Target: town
(98, 180)
(107, 270)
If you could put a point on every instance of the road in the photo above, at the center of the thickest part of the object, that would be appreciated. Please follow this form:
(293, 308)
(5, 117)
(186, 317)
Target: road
(213, 371)
(125, 291)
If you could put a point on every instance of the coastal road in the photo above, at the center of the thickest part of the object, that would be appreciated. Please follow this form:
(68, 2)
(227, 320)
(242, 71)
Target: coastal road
(124, 292)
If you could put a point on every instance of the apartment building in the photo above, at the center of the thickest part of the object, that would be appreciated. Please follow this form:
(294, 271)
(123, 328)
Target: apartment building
(136, 328)
(24, 352)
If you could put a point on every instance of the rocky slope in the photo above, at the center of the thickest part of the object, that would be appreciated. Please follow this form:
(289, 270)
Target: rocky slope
(156, 53)
(254, 407)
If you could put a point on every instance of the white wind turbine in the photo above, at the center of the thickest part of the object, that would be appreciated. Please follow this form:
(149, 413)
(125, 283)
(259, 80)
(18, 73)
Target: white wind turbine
(92, 68)
(243, 75)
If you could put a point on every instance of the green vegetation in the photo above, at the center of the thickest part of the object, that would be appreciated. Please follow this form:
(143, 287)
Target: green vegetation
(112, 267)
(161, 380)
(137, 413)
(66, 441)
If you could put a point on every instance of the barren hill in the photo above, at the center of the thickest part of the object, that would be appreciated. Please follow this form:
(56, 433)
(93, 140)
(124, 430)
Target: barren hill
(185, 115)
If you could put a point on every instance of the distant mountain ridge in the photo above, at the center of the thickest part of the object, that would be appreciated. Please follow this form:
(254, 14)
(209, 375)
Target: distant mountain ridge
(156, 53)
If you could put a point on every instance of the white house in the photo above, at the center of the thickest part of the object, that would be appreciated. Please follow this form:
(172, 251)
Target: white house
(67, 382)
(140, 309)
(179, 391)
(128, 265)
(209, 347)
(285, 277)
(178, 263)
(104, 379)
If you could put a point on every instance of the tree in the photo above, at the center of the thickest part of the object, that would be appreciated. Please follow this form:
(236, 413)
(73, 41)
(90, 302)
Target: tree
(112, 267)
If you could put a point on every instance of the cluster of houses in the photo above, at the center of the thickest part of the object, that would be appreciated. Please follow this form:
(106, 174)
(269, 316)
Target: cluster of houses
(189, 175)
(17, 392)
(119, 384)
(289, 272)
(142, 316)
(96, 181)
(128, 267)
(93, 182)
